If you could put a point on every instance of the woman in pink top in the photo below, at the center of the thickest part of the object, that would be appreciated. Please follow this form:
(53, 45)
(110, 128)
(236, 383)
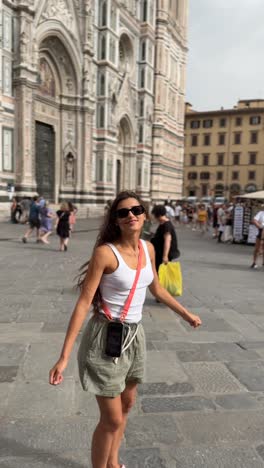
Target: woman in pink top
(106, 284)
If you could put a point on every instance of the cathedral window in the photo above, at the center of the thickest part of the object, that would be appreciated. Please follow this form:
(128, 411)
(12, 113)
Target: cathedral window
(7, 149)
(146, 183)
(101, 116)
(109, 170)
(141, 107)
(145, 10)
(100, 169)
(149, 85)
(143, 51)
(139, 175)
(101, 82)
(112, 50)
(151, 12)
(150, 53)
(103, 13)
(7, 35)
(140, 134)
(113, 17)
(142, 78)
(7, 76)
(103, 48)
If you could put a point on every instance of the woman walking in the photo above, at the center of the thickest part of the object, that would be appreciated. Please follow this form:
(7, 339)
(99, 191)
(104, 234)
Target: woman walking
(112, 352)
(165, 240)
(46, 221)
(63, 226)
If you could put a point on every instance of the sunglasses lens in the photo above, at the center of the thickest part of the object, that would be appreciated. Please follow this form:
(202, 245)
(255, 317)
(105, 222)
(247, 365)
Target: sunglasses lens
(137, 210)
(122, 213)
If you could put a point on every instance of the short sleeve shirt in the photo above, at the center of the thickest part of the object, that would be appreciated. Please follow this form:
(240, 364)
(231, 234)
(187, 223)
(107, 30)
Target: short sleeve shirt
(260, 218)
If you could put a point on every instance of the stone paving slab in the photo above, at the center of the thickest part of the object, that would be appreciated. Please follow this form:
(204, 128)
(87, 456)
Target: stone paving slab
(211, 352)
(207, 457)
(157, 372)
(31, 370)
(144, 431)
(208, 377)
(172, 404)
(37, 399)
(250, 374)
(179, 388)
(217, 428)
(45, 435)
(11, 354)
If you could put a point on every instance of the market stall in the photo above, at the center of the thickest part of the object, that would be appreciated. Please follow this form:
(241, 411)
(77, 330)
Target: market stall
(244, 211)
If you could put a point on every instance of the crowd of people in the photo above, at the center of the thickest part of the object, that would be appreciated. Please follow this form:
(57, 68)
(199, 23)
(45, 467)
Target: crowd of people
(43, 220)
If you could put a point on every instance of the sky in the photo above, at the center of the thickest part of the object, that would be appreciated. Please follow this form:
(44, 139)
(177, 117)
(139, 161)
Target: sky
(226, 52)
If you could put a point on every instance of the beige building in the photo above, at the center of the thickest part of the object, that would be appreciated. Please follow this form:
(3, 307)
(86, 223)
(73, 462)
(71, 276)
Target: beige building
(224, 150)
(92, 99)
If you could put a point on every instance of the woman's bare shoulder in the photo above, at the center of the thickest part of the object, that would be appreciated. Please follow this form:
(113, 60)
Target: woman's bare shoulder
(103, 254)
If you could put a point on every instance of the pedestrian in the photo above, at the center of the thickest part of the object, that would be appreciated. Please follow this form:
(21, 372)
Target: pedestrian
(25, 208)
(34, 220)
(15, 210)
(177, 211)
(259, 223)
(169, 211)
(221, 222)
(194, 218)
(165, 239)
(73, 212)
(46, 222)
(63, 226)
(202, 218)
(112, 352)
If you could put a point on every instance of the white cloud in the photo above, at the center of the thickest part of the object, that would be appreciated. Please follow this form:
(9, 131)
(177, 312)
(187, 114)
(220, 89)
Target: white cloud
(226, 60)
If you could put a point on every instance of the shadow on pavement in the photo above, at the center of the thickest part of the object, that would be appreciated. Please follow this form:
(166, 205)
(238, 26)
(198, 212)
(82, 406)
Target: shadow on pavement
(12, 449)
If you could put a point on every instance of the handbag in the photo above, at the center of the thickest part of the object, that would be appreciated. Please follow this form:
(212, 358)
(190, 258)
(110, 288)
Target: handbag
(115, 328)
(170, 277)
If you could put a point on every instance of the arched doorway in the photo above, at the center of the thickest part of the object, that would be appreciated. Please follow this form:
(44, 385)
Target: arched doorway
(55, 119)
(126, 157)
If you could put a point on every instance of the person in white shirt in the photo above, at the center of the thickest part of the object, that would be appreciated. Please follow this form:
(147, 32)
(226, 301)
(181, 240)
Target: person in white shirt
(169, 211)
(221, 221)
(259, 223)
(177, 211)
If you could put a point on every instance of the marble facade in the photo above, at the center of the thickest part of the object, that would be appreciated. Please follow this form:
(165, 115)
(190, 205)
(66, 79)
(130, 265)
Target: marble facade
(92, 99)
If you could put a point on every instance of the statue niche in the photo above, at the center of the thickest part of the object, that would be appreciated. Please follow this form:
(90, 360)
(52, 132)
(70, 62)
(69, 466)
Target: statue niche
(69, 169)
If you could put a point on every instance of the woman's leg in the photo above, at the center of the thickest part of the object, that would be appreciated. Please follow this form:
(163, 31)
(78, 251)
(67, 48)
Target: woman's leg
(256, 251)
(111, 421)
(128, 398)
(61, 244)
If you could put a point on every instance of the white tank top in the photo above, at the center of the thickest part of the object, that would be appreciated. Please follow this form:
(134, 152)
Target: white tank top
(115, 287)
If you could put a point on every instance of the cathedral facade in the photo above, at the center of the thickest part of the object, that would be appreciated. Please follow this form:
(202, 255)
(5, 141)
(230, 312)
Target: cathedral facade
(92, 99)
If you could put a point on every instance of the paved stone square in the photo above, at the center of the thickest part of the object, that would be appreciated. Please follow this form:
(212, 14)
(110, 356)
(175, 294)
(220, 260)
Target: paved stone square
(202, 405)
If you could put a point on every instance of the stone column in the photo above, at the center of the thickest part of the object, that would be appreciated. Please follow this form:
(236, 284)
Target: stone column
(25, 77)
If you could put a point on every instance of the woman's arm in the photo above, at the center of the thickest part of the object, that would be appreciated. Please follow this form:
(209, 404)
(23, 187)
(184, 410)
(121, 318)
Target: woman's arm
(97, 265)
(166, 247)
(163, 296)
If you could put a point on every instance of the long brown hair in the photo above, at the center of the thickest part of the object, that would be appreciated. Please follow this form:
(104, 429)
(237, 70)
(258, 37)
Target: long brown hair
(109, 232)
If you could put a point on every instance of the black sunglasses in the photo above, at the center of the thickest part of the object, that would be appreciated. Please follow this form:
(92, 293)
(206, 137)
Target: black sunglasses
(135, 210)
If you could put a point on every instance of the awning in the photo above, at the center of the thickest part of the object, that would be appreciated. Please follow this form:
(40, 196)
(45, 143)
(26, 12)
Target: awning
(253, 195)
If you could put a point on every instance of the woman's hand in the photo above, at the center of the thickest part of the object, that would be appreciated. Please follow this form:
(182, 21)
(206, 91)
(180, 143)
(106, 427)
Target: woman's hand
(165, 259)
(55, 375)
(193, 320)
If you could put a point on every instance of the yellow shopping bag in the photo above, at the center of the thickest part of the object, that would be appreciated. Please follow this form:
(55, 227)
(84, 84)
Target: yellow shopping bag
(170, 277)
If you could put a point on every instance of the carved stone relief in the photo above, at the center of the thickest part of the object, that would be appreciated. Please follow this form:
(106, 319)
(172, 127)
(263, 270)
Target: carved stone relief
(58, 9)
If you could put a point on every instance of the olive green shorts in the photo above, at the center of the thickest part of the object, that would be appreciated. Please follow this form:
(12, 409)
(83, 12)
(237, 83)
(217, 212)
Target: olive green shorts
(99, 374)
